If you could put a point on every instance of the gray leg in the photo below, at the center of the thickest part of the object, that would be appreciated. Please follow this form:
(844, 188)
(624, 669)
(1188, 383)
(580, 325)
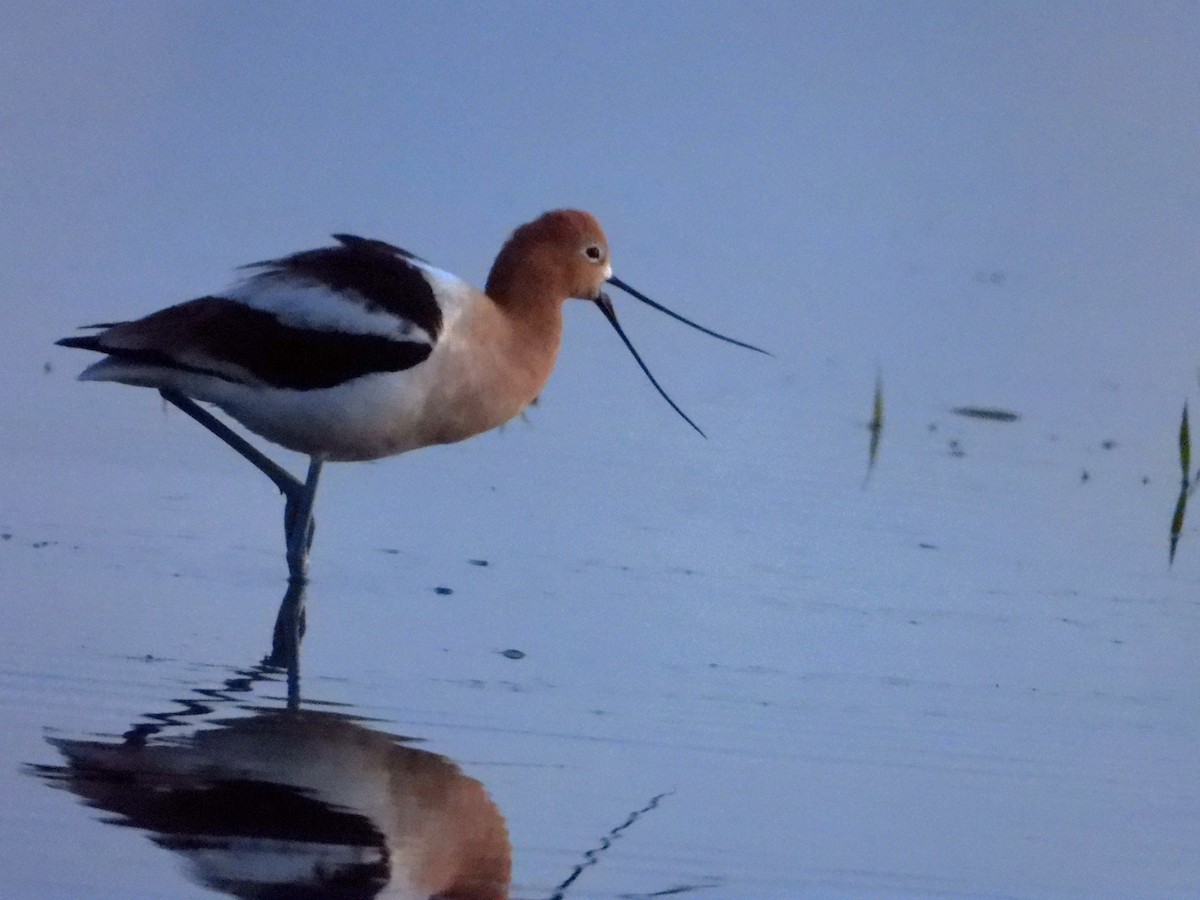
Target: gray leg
(289, 485)
(300, 525)
(298, 496)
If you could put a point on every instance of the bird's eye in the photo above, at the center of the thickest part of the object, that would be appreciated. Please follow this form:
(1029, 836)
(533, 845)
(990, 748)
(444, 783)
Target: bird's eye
(594, 252)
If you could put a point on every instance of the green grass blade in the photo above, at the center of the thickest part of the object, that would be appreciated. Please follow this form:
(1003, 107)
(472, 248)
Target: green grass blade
(1185, 444)
(876, 427)
(1177, 521)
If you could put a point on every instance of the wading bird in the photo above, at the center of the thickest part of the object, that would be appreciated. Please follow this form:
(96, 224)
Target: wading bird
(363, 350)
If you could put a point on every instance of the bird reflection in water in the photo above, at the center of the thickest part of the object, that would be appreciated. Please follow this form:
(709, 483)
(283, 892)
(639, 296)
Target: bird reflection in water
(295, 803)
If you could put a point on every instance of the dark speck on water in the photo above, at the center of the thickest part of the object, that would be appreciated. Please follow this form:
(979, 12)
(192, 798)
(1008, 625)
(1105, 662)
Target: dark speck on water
(478, 562)
(985, 412)
(443, 590)
(513, 654)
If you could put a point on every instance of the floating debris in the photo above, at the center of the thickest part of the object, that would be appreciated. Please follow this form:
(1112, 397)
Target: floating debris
(956, 450)
(443, 590)
(477, 562)
(991, 414)
(512, 654)
(1108, 445)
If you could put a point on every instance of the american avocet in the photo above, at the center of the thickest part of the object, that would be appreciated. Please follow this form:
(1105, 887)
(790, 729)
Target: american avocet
(299, 803)
(364, 350)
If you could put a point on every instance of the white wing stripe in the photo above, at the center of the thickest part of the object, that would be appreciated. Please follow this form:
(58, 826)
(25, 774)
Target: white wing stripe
(310, 304)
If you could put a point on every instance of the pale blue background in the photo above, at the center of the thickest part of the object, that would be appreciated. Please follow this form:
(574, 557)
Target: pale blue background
(985, 203)
(828, 178)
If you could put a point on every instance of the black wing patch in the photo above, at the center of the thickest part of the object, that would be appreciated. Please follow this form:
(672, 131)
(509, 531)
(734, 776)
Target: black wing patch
(380, 273)
(354, 241)
(280, 355)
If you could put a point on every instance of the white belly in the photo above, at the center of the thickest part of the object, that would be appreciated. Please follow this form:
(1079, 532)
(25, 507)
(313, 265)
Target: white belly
(453, 395)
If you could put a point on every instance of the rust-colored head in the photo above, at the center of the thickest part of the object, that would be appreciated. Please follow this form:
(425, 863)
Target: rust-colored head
(559, 255)
(564, 254)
